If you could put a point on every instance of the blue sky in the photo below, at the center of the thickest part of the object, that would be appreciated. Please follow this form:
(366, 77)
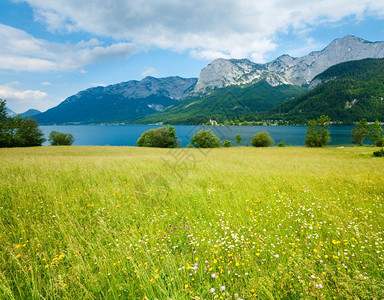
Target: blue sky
(52, 49)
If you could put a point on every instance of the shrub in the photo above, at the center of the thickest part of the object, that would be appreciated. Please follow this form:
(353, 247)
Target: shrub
(60, 139)
(317, 135)
(205, 139)
(379, 153)
(163, 137)
(227, 144)
(262, 139)
(282, 144)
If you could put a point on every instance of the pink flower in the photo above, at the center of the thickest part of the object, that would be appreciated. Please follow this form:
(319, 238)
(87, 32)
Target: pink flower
(212, 290)
(213, 275)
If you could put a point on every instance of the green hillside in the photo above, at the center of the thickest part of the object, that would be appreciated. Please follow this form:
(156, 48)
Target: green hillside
(350, 91)
(243, 102)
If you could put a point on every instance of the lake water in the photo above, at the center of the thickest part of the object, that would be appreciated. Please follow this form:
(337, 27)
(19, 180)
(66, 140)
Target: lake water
(127, 135)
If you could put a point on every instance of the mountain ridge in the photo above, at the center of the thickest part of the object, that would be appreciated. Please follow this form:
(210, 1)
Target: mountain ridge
(119, 102)
(346, 92)
(287, 69)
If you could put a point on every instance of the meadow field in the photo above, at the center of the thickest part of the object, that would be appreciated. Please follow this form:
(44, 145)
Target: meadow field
(228, 223)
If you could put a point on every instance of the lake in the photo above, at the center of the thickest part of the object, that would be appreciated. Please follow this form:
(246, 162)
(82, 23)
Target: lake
(127, 135)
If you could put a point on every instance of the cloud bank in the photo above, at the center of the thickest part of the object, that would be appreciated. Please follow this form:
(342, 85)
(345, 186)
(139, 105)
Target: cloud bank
(20, 51)
(208, 29)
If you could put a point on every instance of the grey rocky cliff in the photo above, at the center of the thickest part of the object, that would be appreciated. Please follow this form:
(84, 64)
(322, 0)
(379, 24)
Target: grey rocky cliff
(173, 87)
(286, 69)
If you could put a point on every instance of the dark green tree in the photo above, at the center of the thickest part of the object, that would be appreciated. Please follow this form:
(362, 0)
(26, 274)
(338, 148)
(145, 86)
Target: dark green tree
(360, 132)
(4, 136)
(17, 132)
(29, 134)
(238, 138)
(262, 139)
(317, 133)
(205, 139)
(376, 134)
(60, 139)
(163, 137)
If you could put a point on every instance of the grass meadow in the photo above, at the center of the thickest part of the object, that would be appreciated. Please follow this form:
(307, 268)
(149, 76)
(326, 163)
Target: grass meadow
(235, 223)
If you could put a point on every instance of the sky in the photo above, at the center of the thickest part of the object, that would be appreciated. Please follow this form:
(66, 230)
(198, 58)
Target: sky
(52, 49)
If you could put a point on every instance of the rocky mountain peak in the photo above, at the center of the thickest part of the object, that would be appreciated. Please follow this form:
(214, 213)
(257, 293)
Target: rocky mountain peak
(286, 69)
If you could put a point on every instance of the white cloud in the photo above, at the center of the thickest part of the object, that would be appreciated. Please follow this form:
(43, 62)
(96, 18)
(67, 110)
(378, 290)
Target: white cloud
(22, 99)
(45, 83)
(150, 72)
(7, 91)
(22, 52)
(208, 29)
(94, 84)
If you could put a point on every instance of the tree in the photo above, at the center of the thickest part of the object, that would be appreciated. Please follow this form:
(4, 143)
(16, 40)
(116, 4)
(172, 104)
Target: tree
(29, 134)
(4, 137)
(262, 139)
(163, 137)
(60, 139)
(317, 135)
(227, 144)
(375, 134)
(361, 132)
(205, 139)
(238, 138)
(16, 132)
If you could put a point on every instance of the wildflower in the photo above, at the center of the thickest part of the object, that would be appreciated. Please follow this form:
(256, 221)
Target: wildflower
(277, 255)
(313, 276)
(213, 275)
(212, 290)
(222, 288)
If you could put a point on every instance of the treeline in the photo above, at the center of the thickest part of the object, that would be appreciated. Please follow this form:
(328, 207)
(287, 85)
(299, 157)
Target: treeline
(18, 132)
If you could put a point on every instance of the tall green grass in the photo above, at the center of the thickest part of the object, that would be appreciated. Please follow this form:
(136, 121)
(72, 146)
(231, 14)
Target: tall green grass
(124, 222)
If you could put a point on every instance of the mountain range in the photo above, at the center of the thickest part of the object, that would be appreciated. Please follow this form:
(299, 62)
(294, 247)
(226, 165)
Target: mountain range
(217, 93)
(10, 112)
